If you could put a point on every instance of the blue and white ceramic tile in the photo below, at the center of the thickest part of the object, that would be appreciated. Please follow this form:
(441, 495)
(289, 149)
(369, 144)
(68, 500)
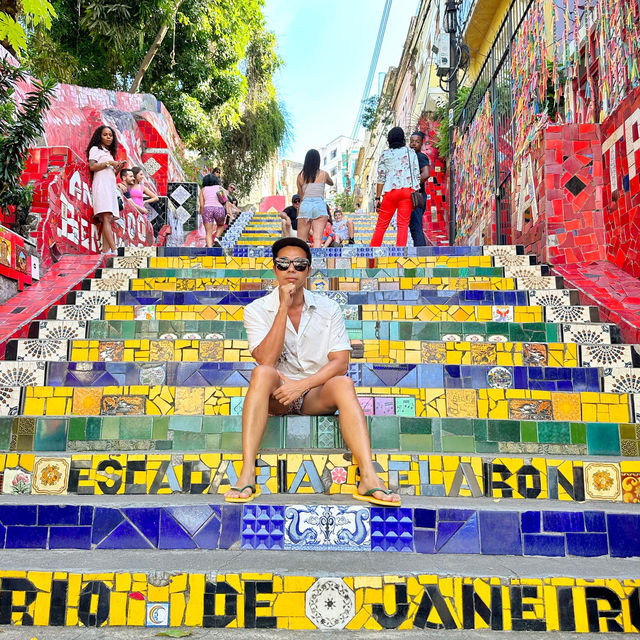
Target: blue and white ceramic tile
(324, 528)
(587, 333)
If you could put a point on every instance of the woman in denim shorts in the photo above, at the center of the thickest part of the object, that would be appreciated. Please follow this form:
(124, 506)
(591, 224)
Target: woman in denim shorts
(313, 209)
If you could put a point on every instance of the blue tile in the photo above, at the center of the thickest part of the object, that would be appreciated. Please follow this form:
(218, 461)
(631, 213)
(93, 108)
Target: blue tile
(543, 545)
(70, 538)
(147, 520)
(3, 531)
(454, 515)
(262, 527)
(500, 533)
(208, 537)
(624, 534)
(391, 529)
(26, 537)
(465, 540)
(530, 521)
(424, 540)
(104, 522)
(18, 514)
(86, 515)
(425, 518)
(172, 535)
(58, 514)
(595, 521)
(562, 521)
(588, 545)
(231, 525)
(125, 536)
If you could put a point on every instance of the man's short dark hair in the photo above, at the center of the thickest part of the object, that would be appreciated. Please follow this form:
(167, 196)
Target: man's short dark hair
(123, 173)
(217, 170)
(278, 245)
(420, 134)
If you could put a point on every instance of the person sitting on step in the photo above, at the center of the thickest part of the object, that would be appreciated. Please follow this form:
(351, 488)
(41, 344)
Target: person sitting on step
(300, 343)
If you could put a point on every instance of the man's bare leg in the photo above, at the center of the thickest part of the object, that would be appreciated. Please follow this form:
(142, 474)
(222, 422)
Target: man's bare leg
(339, 393)
(255, 411)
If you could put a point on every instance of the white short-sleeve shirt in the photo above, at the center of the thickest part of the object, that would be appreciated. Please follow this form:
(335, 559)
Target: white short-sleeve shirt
(321, 331)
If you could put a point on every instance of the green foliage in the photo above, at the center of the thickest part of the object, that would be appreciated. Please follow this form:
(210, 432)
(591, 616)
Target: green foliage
(33, 13)
(441, 116)
(369, 110)
(213, 70)
(344, 201)
(20, 126)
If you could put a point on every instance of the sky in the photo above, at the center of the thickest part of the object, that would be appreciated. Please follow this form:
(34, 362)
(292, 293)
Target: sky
(327, 48)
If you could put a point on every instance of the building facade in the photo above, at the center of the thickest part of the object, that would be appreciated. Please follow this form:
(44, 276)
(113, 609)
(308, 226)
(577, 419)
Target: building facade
(338, 159)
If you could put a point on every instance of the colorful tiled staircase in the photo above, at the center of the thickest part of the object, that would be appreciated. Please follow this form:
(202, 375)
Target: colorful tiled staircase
(504, 413)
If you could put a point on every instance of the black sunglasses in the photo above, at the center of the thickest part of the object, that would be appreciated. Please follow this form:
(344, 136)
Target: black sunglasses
(299, 264)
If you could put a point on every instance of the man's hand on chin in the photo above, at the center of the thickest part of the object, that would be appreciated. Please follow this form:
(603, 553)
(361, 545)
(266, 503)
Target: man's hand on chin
(289, 390)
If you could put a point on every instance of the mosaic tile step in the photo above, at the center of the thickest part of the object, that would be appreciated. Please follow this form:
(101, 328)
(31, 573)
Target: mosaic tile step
(162, 400)
(542, 297)
(615, 291)
(187, 374)
(357, 329)
(388, 433)
(375, 351)
(433, 475)
(498, 314)
(124, 283)
(531, 273)
(349, 251)
(293, 600)
(323, 527)
(230, 262)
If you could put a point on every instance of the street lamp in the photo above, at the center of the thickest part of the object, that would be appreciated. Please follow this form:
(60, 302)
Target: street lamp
(451, 27)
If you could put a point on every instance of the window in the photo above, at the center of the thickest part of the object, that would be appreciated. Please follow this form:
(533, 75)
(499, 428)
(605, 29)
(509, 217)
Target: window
(334, 153)
(333, 172)
(324, 160)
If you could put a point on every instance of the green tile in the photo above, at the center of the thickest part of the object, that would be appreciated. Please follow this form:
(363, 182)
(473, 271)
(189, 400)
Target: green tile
(480, 430)
(415, 426)
(6, 425)
(461, 444)
(529, 431)
(603, 439)
(212, 441)
(556, 432)
(77, 428)
(160, 429)
(164, 445)
(186, 423)
(458, 426)
(110, 428)
(232, 424)
(578, 433)
(51, 434)
(415, 442)
(299, 432)
(504, 430)
(627, 431)
(487, 447)
(188, 441)
(385, 432)
(230, 442)
(94, 428)
(212, 424)
(273, 434)
(326, 427)
(136, 428)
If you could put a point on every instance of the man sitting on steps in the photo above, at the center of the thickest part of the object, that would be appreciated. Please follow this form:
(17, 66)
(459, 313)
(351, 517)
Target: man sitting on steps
(300, 343)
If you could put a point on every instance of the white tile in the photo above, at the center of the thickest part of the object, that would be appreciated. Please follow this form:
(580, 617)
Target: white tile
(62, 329)
(22, 374)
(621, 380)
(567, 314)
(606, 355)
(587, 333)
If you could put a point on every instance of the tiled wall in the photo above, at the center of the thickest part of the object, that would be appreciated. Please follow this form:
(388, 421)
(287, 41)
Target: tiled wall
(436, 475)
(367, 602)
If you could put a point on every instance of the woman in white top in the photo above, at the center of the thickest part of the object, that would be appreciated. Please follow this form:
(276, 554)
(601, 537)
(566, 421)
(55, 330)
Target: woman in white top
(101, 152)
(398, 177)
(313, 209)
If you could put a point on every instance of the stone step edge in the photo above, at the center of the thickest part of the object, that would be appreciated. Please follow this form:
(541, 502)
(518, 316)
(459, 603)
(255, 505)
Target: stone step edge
(324, 596)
